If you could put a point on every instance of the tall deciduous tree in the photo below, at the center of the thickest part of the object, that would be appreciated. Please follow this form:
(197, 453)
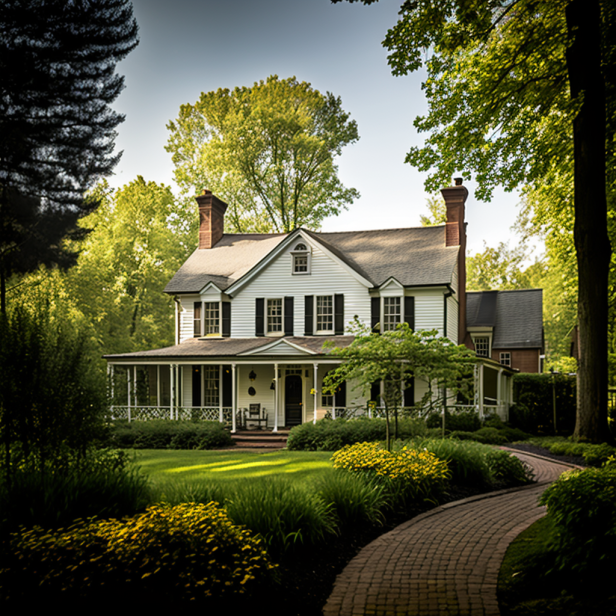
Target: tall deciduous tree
(132, 252)
(268, 151)
(57, 79)
(518, 89)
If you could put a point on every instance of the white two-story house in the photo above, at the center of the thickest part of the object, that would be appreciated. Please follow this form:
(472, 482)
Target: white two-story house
(253, 312)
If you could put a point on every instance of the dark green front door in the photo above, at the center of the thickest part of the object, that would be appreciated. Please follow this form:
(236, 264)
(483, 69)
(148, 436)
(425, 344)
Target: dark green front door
(293, 400)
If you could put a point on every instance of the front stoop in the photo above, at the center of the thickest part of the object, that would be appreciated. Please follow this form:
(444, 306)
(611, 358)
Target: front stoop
(260, 439)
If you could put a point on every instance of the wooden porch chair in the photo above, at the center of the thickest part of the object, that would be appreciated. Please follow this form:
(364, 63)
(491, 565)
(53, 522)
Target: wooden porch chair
(254, 414)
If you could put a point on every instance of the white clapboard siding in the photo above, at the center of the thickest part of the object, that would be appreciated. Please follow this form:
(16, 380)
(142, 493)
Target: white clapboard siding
(429, 309)
(187, 316)
(452, 319)
(454, 280)
(327, 277)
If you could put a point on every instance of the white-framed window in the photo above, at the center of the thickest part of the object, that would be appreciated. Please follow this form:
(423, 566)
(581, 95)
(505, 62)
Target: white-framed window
(482, 346)
(300, 256)
(392, 313)
(211, 385)
(211, 324)
(324, 313)
(274, 316)
(505, 358)
(197, 320)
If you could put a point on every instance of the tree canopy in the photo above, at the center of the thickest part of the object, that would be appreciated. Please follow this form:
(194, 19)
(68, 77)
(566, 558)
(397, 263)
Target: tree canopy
(268, 150)
(520, 92)
(57, 80)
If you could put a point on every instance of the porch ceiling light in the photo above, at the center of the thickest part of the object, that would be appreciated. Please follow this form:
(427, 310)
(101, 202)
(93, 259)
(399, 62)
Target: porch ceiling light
(252, 376)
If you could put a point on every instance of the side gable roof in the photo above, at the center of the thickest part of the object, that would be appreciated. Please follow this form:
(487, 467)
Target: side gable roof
(414, 256)
(517, 316)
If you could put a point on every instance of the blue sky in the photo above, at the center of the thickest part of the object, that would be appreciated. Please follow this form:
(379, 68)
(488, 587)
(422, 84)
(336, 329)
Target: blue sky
(189, 46)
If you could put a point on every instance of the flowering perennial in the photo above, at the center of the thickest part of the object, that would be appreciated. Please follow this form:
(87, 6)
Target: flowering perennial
(410, 474)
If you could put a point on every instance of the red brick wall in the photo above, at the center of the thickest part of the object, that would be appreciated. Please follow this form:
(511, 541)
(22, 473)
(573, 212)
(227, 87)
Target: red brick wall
(211, 219)
(525, 360)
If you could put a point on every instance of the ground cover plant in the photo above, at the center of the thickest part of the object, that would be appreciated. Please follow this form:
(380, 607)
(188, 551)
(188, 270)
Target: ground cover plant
(165, 434)
(592, 454)
(565, 563)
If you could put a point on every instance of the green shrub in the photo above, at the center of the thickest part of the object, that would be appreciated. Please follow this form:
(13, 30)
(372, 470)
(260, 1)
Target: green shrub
(104, 484)
(508, 470)
(355, 500)
(582, 507)
(491, 436)
(167, 434)
(333, 434)
(284, 514)
(597, 455)
(466, 421)
(185, 552)
(410, 477)
(533, 411)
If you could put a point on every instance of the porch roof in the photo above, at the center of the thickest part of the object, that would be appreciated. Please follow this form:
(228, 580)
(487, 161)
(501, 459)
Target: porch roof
(233, 347)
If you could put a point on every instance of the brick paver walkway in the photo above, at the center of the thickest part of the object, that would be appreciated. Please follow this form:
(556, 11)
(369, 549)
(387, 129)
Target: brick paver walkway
(444, 562)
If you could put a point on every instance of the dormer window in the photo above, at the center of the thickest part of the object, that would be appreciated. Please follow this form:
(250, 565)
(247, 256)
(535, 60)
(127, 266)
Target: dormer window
(482, 346)
(301, 259)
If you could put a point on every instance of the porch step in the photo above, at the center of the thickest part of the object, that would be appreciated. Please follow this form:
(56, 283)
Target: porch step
(260, 439)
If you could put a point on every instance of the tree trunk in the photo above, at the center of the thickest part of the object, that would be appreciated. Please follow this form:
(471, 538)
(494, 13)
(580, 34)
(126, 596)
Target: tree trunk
(590, 231)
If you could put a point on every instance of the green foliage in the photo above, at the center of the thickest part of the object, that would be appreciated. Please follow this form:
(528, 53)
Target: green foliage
(268, 151)
(465, 420)
(331, 435)
(409, 477)
(593, 454)
(185, 552)
(103, 484)
(582, 508)
(58, 128)
(356, 500)
(533, 410)
(438, 212)
(508, 470)
(166, 434)
(287, 516)
(52, 399)
(396, 356)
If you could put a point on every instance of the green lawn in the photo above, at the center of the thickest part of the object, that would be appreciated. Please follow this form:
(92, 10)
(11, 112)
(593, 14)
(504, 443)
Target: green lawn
(167, 464)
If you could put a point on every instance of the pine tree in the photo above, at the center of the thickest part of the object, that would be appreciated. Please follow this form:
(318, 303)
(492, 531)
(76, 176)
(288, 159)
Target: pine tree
(57, 80)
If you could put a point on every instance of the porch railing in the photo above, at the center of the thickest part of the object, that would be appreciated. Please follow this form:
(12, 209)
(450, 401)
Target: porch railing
(180, 413)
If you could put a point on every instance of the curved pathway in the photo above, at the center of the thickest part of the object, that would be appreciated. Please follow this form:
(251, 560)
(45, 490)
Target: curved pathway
(444, 562)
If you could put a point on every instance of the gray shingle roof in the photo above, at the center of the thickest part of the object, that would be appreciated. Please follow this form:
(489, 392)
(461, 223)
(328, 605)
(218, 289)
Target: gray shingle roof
(228, 347)
(414, 256)
(517, 316)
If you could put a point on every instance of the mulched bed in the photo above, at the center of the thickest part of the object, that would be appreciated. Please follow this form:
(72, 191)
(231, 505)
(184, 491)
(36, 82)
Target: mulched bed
(546, 453)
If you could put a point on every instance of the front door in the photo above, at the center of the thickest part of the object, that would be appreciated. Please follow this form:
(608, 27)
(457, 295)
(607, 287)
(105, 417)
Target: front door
(293, 400)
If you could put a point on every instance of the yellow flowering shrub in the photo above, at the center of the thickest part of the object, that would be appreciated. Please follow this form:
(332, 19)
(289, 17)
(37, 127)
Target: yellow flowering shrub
(409, 475)
(188, 551)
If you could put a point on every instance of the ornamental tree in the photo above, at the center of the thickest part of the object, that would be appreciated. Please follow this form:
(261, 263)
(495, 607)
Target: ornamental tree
(268, 151)
(395, 357)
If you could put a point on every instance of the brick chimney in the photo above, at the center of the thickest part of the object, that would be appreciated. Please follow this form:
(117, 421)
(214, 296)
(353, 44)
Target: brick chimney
(211, 219)
(455, 235)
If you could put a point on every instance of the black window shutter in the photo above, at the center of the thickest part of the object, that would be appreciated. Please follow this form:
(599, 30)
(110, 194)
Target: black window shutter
(259, 316)
(197, 320)
(308, 315)
(226, 319)
(375, 393)
(409, 392)
(227, 395)
(409, 311)
(288, 316)
(375, 308)
(338, 315)
(341, 394)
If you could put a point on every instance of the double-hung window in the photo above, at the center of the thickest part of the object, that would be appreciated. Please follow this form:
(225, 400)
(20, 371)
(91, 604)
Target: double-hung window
(274, 316)
(301, 259)
(391, 313)
(325, 313)
(505, 359)
(212, 319)
(482, 346)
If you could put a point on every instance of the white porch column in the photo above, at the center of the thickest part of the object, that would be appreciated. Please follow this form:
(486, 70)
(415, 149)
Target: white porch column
(316, 394)
(334, 405)
(221, 418)
(233, 400)
(499, 391)
(480, 391)
(128, 385)
(171, 389)
(110, 380)
(275, 397)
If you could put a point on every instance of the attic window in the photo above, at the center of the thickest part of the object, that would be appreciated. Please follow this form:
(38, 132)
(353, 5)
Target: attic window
(482, 346)
(301, 259)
